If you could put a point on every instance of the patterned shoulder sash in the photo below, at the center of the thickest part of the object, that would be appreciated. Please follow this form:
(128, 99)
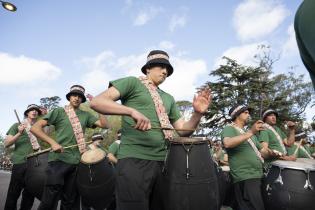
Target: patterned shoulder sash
(304, 150)
(33, 139)
(277, 136)
(250, 141)
(159, 107)
(77, 129)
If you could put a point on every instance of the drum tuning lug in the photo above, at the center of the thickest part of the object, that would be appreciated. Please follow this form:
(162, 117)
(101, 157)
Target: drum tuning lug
(308, 184)
(268, 188)
(279, 180)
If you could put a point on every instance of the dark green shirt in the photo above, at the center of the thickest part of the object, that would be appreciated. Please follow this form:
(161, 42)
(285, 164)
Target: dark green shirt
(114, 147)
(148, 145)
(22, 146)
(243, 161)
(269, 137)
(65, 135)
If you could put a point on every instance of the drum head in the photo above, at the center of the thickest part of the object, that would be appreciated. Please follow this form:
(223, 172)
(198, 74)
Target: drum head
(299, 164)
(187, 140)
(93, 156)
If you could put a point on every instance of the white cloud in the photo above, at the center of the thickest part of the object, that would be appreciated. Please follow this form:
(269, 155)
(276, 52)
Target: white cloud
(290, 47)
(22, 70)
(254, 19)
(166, 45)
(177, 21)
(146, 15)
(242, 54)
(182, 84)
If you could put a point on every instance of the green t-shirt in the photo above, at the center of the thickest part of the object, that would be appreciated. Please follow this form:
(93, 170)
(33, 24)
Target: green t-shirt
(22, 146)
(300, 153)
(64, 133)
(148, 145)
(243, 161)
(269, 137)
(114, 147)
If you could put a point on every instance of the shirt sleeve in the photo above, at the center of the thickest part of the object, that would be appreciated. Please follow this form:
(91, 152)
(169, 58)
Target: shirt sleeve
(263, 136)
(174, 112)
(13, 129)
(125, 86)
(52, 116)
(91, 120)
(229, 131)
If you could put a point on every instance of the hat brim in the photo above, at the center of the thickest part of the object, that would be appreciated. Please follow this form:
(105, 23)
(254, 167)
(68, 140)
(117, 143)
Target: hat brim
(76, 92)
(269, 113)
(241, 111)
(33, 108)
(158, 61)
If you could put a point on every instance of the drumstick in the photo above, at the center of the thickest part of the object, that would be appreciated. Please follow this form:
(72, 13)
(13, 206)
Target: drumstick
(17, 116)
(174, 129)
(298, 146)
(50, 150)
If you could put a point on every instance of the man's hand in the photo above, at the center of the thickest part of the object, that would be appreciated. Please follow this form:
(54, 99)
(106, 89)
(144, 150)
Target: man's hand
(202, 101)
(142, 122)
(21, 128)
(289, 158)
(258, 126)
(291, 125)
(57, 147)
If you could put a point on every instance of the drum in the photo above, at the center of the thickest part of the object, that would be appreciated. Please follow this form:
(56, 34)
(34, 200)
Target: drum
(189, 176)
(35, 176)
(290, 185)
(96, 179)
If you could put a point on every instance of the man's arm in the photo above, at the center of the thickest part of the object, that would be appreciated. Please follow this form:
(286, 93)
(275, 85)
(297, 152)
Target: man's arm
(102, 122)
(290, 140)
(37, 130)
(10, 139)
(105, 103)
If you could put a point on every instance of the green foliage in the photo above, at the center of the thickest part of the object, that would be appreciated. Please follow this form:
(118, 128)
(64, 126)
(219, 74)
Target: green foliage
(50, 102)
(255, 86)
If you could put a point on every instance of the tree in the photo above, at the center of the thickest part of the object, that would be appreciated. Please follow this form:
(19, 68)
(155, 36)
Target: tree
(255, 86)
(50, 102)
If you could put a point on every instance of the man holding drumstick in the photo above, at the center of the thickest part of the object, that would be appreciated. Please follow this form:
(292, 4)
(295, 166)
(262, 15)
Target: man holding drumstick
(145, 109)
(274, 138)
(24, 144)
(70, 123)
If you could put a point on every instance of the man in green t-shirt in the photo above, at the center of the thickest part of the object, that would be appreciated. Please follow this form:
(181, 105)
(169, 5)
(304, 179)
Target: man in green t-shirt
(245, 158)
(62, 163)
(19, 137)
(113, 149)
(300, 148)
(274, 138)
(142, 149)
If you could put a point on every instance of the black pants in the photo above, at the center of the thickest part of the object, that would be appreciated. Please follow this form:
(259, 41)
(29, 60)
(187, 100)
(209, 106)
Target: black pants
(60, 184)
(137, 184)
(17, 184)
(248, 195)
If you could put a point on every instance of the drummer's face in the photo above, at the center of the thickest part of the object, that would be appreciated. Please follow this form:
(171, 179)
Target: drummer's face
(75, 100)
(245, 116)
(157, 74)
(32, 114)
(271, 119)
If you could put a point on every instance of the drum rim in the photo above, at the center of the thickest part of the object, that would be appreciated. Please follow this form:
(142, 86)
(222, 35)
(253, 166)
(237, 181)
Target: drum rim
(185, 140)
(278, 164)
(84, 162)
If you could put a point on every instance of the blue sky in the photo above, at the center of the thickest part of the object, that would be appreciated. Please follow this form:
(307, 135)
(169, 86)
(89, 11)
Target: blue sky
(47, 46)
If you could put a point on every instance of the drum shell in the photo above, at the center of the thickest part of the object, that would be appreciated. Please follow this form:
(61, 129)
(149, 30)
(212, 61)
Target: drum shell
(96, 183)
(35, 176)
(290, 195)
(200, 189)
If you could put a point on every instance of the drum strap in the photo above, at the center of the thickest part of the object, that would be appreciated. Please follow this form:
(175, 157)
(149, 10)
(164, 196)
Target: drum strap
(250, 141)
(277, 136)
(304, 150)
(159, 107)
(33, 139)
(77, 129)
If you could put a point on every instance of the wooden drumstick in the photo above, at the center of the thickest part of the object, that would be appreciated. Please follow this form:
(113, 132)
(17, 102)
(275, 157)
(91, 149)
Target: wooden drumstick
(17, 116)
(50, 150)
(298, 146)
(174, 129)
